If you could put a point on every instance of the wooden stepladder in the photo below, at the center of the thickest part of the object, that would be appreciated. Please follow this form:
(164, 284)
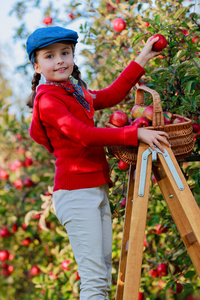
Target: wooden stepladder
(182, 206)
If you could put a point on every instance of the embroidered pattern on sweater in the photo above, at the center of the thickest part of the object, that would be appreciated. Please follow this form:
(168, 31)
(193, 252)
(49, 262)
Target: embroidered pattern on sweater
(74, 89)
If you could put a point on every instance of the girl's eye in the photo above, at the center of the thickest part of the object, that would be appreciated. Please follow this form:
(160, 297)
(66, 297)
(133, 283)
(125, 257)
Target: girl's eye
(49, 56)
(65, 53)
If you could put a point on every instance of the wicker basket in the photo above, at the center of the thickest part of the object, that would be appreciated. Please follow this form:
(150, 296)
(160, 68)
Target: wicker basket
(180, 135)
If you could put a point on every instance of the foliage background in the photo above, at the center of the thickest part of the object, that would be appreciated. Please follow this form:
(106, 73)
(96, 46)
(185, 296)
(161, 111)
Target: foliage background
(175, 75)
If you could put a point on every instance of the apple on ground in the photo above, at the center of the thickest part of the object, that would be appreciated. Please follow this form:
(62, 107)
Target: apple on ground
(162, 269)
(141, 122)
(122, 165)
(196, 127)
(176, 288)
(160, 44)
(137, 111)
(119, 24)
(148, 112)
(167, 117)
(119, 118)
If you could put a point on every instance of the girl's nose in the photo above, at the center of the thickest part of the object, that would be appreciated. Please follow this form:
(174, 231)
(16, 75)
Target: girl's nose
(59, 59)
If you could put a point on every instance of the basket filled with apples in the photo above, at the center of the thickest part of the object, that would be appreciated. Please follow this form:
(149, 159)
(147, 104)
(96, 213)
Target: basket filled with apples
(179, 128)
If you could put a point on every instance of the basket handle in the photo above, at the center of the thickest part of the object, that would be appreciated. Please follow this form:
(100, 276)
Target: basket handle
(158, 118)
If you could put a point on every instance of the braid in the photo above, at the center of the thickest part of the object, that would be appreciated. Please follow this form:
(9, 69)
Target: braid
(77, 75)
(35, 82)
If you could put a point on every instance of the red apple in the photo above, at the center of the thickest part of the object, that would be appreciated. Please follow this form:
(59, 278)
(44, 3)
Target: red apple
(177, 120)
(153, 273)
(162, 269)
(148, 112)
(167, 117)
(137, 111)
(28, 182)
(35, 271)
(196, 127)
(4, 233)
(26, 241)
(122, 165)
(14, 227)
(71, 16)
(161, 229)
(160, 44)
(47, 20)
(141, 296)
(18, 184)
(119, 118)
(176, 288)
(27, 162)
(146, 24)
(123, 203)
(4, 175)
(4, 255)
(176, 269)
(119, 24)
(140, 122)
(65, 264)
(10, 269)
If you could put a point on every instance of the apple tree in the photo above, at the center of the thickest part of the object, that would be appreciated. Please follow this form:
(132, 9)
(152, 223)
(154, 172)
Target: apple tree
(33, 243)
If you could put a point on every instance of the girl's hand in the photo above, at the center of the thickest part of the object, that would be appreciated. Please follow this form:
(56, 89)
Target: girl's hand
(147, 53)
(153, 138)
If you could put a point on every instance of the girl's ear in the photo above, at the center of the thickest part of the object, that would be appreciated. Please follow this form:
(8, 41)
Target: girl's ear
(37, 68)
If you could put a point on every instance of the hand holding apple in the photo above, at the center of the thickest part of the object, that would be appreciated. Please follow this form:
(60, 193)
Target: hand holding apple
(160, 44)
(147, 52)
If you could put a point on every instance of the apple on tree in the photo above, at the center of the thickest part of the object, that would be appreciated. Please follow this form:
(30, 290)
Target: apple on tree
(119, 118)
(160, 44)
(137, 111)
(4, 255)
(119, 24)
(122, 165)
(196, 127)
(162, 269)
(176, 288)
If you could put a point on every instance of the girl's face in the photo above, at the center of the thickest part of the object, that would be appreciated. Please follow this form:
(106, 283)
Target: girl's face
(55, 61)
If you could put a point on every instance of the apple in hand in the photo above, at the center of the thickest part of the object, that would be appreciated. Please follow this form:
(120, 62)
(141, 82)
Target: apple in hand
(167, 117)
(137, 111)
(119, 118)
(160, 44)
(141, 122)
(196, 127)
(148, 112)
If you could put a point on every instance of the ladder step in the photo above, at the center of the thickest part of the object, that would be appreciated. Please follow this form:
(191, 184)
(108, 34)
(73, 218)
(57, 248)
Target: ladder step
(191, 237)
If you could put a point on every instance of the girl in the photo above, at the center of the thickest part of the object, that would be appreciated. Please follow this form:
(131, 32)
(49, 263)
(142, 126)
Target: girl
(63, 123)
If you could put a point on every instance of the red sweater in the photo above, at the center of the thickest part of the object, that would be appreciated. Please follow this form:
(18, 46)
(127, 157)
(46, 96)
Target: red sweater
(66, 129)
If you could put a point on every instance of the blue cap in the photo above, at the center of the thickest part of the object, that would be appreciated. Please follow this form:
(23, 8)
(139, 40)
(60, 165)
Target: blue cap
(45, 36)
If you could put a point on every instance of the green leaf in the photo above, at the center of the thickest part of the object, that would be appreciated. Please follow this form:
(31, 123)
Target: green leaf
(179, 13)
(190, 274)
(157, 19)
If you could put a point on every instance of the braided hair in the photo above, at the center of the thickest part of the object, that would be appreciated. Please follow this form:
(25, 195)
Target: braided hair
(77, 75)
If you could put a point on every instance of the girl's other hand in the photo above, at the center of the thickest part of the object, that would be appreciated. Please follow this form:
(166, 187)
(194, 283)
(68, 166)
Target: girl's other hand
(153, 138)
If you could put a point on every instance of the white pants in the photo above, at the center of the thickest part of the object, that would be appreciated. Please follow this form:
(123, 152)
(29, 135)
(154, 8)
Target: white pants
(85, 213)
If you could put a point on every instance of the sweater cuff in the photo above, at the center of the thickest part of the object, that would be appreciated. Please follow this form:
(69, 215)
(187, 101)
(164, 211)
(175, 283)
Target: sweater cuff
(130, 71)
(130, 136)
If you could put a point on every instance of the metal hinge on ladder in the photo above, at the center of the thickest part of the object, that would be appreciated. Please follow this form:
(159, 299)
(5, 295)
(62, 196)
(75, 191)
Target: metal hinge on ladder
(169, 162)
